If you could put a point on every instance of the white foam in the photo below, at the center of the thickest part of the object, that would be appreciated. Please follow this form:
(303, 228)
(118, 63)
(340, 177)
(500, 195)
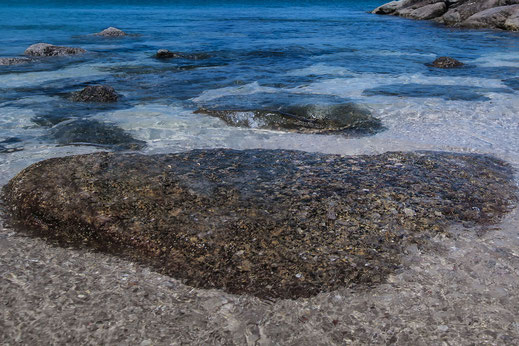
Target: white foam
(321, 69)
(247, 89)
(16, 80)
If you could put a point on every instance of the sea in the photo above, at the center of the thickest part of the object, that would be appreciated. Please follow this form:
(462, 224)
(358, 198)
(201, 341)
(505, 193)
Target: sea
(259, 52)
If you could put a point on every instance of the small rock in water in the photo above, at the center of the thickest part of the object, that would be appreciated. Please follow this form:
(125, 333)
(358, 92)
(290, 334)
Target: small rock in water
(166, 54)
(93, 132)
(45, 49)
(339, 118)
(257, 221)
(14, 61)
(95, 93)
(111, 32)
(446, 62)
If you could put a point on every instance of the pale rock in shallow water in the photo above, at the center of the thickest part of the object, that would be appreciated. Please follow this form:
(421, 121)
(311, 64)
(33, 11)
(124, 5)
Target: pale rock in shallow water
(46, 49)
(111, 32)
(14, 61)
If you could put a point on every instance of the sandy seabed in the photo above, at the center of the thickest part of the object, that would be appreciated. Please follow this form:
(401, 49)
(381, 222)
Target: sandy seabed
(462, 290)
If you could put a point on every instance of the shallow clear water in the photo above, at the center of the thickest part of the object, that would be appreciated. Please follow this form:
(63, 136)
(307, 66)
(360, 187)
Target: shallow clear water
(260, 51)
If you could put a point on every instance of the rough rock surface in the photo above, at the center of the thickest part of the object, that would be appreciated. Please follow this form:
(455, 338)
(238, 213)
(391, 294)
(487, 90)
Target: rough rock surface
(446, 62)
(495, 14)
(167, 54)
(270, 223)
(14, 61)
(340, 118)
(93, 132)
(95, 93)
(111, 32)
(46, 49)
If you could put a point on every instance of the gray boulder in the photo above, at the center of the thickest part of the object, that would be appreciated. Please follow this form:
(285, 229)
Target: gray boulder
(501, 17)
(95, 93)
(46, 49)
(497, 14)
(111, 32)
(426, 12)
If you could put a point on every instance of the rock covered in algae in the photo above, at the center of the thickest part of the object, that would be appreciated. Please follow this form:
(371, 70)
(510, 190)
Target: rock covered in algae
(346, 118)
(270, 223)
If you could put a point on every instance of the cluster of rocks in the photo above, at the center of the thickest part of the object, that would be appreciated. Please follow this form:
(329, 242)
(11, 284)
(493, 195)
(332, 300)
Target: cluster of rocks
(270, 223)
(41, 49)
(495, 14)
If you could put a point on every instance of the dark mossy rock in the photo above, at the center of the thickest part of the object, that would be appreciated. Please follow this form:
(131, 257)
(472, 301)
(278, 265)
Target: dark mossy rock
(270, 223)
(95, 93)
(166, 54)
(446, 62)
(111, 32)
(14, 61)
(93, 132)
(45, 49)
(345, 118)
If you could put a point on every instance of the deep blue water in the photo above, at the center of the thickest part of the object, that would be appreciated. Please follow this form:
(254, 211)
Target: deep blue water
(260, 52)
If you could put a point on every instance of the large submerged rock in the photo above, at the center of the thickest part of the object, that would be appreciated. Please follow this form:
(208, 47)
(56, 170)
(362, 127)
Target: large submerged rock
(495, 14)
(345, 118)
(270, 223)
(46, 49)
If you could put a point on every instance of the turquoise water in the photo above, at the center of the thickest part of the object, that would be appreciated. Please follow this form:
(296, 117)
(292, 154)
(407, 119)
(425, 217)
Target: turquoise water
(261, 52)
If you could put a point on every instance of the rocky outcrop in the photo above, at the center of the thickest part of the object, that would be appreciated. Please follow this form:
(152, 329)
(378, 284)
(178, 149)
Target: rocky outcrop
(166, 54)
(446, 62)
(495, 14)
(270, 223)
(14, 61)
(45, 49)
(95, 133)
(111, 32)
(95, 93)
(340, 118)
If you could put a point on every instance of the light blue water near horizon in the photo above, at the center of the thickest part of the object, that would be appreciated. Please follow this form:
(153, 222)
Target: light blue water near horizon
(314, 51)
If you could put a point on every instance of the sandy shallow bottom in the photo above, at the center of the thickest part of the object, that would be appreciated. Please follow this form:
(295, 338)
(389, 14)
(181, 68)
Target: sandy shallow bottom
(462, 290)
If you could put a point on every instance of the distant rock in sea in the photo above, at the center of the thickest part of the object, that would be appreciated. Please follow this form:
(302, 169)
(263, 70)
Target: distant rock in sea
(494, 14)
(166, 54)
(14, 61)
(46, 49)
(345, 118)
(111, 32)
(446, 62)
(95, 93)
(269, 223)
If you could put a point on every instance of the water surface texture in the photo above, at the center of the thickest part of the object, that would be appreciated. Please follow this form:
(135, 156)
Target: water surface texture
(259, 53)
